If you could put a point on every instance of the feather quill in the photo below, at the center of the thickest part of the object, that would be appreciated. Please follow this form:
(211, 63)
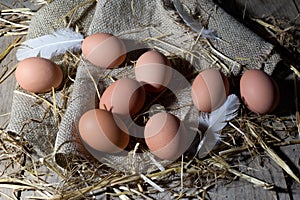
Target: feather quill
(215, 122)
(50, 45)
(195, 25)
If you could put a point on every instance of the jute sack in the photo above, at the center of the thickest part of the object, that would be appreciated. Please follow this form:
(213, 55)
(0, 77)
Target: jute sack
(142, 23)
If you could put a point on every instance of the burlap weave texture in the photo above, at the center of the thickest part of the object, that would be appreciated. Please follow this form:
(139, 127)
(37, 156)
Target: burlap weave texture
(140, 23)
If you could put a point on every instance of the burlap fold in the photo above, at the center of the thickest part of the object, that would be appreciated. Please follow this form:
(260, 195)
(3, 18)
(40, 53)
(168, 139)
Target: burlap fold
(142, 23)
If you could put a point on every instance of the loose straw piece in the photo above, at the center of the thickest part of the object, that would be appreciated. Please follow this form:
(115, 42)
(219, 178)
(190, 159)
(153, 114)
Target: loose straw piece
(273, 155)
(150, 182)
(295, 70)
(223, 164)
(9, 48)
(6, 75)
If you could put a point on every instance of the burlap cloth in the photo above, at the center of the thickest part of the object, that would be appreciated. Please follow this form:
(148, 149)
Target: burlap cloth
(141, 23)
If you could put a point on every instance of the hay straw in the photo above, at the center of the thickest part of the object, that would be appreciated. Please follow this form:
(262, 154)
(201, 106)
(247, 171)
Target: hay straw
(218, 53)
(159, 39)
(135, 192)
(41, 2)
(72, 11)
(150, 182)
(55, 109)
(6, 75)
(295, 70)
(3, 72)
(212, 54)
(15, 21)
(209, 170)
(284, 36)
(8, 49)
(223, 164)
(272, 154)
(51, 105)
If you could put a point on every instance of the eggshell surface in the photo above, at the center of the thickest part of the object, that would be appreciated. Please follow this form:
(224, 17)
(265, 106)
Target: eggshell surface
(209, 90)
(102, 131)
(104, 50)
(38, 75)
(258, 91)
(165, 136)
(153, 70)
(124, 97)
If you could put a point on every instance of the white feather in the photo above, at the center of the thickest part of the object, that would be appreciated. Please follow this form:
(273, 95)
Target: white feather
(217, 120)
(204, 119)
(192, 23)
(47, 46)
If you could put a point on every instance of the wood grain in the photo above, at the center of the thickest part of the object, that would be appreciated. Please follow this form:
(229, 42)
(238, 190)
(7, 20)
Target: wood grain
(6, 4)
(7, 87)
(280, 9)
(6, 95)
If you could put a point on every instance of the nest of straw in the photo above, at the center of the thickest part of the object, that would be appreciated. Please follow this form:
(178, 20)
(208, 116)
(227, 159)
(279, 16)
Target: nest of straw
(247, 138)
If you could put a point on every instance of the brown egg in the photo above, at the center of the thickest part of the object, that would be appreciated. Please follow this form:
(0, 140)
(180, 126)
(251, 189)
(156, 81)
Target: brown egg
(209, 90)
(38, 75)
(258, 91)
(165, 136)
(153, 70)
(104, 50)
(124, 97)
(103, 131)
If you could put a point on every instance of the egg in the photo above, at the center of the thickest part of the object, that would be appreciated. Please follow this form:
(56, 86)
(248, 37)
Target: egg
(165, 136)
(38, 75)
(209, 90)
(124, 97)
(259, 91)
(153, 70)
(104, 50)
(102, 131)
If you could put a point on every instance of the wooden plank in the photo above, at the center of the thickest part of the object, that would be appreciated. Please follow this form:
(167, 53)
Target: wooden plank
(7, 87)
(6, 95)
(280, 9)
(269, 172)
(18, 4)
(292, 154)
(287, 9)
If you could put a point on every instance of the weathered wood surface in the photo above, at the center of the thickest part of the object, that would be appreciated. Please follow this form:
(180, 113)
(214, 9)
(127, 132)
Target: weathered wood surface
(6, 94)
(280, 9)
(239, 189)
(287, 10)
(5, 4)
(6, 88)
